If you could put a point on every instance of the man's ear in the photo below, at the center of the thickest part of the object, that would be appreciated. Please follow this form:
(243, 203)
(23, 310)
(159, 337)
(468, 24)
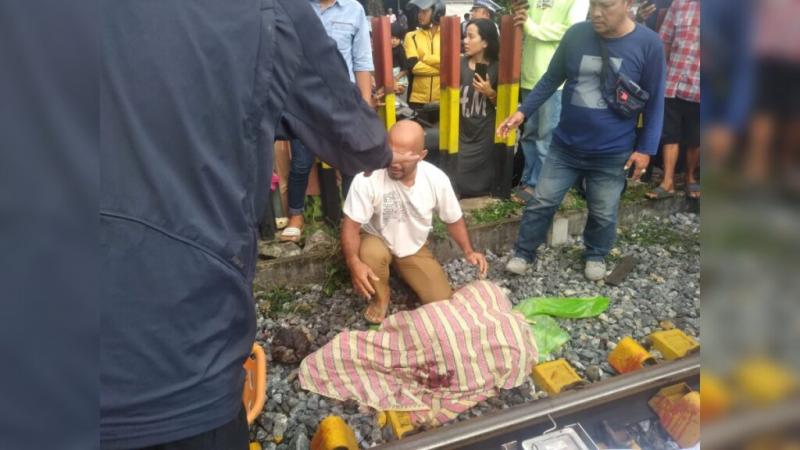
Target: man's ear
(423, 154)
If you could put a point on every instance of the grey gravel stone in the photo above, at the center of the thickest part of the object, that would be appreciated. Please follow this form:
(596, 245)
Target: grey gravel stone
(637, 307)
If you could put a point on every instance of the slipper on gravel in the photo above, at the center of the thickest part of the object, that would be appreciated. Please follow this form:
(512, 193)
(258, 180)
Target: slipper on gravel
(291, 234)
(659, 193)
(693, 190)
(521, 195)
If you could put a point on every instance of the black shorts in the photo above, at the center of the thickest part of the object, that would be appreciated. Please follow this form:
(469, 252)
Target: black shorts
(681, 122)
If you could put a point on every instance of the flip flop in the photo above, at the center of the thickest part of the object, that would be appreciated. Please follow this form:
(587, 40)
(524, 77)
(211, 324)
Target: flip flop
(659, 193)
(522, 195)
(291, 234)
(693, 188)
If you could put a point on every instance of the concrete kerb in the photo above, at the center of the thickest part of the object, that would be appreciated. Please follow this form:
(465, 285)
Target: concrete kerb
(497, 237)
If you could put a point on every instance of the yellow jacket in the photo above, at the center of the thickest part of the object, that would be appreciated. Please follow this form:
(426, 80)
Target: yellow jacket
(423, 50)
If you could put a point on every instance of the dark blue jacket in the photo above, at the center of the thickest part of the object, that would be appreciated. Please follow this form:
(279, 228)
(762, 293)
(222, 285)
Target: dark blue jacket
(193, 95)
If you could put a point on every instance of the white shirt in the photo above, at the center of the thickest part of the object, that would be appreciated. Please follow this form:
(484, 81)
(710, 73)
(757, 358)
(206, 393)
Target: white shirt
(402, 216)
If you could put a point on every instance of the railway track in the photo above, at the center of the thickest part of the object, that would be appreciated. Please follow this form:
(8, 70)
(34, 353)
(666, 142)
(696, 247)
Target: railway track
(621, 399)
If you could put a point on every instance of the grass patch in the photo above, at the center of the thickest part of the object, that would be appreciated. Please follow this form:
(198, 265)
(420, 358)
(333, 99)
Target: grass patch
(439, 228)
(572, 201)
(650, 232)
(635, 192)
(501, 210)
(336, 277)
(275, 301)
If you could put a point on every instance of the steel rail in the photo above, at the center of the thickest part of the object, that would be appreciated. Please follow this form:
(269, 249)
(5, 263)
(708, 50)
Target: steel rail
(524, 416)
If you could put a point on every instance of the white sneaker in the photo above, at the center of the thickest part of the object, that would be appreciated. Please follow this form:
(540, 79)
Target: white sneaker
(517, 265)
(595, 270)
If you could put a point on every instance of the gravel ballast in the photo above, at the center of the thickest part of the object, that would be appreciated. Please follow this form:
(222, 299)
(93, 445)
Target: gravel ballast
(664, 286)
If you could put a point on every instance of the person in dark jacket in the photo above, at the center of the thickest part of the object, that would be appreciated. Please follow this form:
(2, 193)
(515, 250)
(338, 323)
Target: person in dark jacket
(193, 95)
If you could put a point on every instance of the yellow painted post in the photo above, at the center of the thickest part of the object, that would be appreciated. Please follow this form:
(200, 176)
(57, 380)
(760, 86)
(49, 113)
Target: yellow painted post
(507, 100)
(384, 76)
(450, 76)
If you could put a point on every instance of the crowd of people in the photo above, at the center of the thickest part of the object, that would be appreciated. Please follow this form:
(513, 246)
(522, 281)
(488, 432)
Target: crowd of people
(196, 98)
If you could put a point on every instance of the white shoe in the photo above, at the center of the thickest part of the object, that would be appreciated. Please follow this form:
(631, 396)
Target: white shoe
(517, 265)
(595, 270)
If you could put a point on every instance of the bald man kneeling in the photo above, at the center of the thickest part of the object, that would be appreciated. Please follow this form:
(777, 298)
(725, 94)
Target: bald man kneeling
(388, 217)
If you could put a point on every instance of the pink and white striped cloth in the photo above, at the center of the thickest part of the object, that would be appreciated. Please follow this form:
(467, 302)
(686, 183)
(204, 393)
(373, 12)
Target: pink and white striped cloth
(436, 361)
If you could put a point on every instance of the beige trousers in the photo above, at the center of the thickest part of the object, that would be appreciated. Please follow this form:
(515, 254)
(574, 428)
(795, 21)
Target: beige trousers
(420, 271)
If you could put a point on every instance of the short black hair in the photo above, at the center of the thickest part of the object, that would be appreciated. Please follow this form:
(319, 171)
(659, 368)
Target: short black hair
(466, 16)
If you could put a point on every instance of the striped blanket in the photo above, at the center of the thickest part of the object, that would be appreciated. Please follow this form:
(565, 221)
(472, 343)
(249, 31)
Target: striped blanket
(436, 361)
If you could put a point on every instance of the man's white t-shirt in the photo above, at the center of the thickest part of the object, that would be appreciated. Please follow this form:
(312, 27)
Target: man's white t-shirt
(402, 215)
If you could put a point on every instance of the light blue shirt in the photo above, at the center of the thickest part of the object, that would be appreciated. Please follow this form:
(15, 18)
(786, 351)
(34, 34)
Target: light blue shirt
(346, 23)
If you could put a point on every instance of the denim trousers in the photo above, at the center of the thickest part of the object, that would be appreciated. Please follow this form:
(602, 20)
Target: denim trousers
(604, 175)
(301, 165)
(536, 138)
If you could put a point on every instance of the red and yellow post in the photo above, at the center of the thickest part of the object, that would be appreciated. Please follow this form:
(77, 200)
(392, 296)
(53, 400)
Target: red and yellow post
(382, 58)
(450, 75)
(507, 101)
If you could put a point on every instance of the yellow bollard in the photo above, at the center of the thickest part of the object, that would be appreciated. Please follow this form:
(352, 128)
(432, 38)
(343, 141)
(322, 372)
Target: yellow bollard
(334, 434)
(629, 355)
(555, 376)
(400, 422)
(673, 344)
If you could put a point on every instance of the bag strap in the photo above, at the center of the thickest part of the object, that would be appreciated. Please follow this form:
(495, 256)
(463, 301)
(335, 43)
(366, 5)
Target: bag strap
(606, 61)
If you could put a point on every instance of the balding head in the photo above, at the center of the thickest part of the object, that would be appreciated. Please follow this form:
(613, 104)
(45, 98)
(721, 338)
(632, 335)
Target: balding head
(406, 137)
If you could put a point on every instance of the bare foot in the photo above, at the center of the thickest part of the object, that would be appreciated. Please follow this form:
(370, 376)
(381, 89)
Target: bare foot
(376, 311)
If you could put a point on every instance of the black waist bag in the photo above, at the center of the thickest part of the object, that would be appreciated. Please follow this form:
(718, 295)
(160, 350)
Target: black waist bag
(622, 95)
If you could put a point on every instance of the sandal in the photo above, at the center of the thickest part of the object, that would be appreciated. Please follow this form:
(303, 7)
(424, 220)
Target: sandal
(659, 193)
(693, 191)
(522, 195)
(291, 234)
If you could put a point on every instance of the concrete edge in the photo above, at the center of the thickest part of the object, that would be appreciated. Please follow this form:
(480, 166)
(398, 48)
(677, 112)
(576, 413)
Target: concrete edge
(497, 237)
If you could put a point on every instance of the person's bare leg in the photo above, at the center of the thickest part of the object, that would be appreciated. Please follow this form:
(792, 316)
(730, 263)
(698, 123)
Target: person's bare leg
(757, 159)
(670, 157)
(692, 166)
(376, 255)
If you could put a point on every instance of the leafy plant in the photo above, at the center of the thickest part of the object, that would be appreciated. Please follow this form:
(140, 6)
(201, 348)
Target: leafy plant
(503, 209)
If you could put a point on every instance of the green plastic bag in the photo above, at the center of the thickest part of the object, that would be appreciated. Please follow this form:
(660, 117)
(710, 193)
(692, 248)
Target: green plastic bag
(548, 334)
(539, 312)
(570, 308)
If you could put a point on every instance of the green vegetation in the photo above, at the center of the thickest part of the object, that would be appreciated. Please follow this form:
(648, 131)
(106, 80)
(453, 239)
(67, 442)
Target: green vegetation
(650, 232)
(275, 301)
(336, 276)
(501, 210)
(572, 201)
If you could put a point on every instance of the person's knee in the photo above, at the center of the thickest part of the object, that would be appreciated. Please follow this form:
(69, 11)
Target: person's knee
(374, 254)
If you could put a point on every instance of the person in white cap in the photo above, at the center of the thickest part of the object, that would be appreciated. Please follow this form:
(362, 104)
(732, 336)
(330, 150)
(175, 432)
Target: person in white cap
(484, 9)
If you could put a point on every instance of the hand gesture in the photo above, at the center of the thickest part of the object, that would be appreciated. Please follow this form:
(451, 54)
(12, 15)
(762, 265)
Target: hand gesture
(520, 14)
(484, 86)
(477, 259)
(361, 276)
(510, 124)
(640, 162)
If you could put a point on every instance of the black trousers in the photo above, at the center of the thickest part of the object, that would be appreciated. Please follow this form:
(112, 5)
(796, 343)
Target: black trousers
(234, 435)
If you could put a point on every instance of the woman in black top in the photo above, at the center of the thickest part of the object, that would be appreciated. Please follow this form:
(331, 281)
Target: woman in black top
(478, 98)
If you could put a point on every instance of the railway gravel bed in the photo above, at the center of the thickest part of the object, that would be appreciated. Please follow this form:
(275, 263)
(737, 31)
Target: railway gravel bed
(663, 287)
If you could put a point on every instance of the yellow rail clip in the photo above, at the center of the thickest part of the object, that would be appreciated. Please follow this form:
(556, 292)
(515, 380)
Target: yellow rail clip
(400, 422)
(555, 376)
(629, 355)
(673, 344)
(334, 434)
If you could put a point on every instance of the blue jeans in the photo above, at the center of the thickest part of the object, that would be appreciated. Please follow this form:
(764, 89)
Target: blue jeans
(302, 163)
(605, 179)
(536, 138)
